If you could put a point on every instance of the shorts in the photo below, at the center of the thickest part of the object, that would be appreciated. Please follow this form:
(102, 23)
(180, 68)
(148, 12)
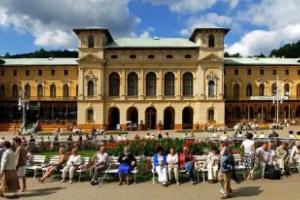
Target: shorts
(21, 171)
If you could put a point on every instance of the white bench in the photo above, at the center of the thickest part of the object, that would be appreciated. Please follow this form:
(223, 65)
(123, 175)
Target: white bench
(53, 160)
(239, 164)
(36, 164)
(113, 168)
(201, 166)
(83, 167)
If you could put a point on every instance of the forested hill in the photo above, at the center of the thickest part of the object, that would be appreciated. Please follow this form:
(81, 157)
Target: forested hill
(288, 50)
(45, 54)
(291, 50)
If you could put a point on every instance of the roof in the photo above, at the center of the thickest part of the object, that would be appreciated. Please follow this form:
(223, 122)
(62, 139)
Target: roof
(73, 61)
(225, 30)
(261, 61)
(105, 30)
(39, 61)
(152, 43)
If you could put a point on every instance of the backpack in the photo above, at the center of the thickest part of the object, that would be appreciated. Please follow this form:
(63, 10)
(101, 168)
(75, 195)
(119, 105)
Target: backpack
(272, 173)
(226, 163)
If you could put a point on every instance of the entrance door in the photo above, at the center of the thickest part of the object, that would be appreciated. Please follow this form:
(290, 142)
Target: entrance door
(150, 118)
(187, 118)
(169, 118)
(114, 118)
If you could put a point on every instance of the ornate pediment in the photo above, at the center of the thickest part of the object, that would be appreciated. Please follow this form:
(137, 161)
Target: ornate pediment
(90, 58)
(91, 76)
(211, 58)
(212, 76)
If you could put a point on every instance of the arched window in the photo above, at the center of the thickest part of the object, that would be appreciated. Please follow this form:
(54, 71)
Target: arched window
(211, 41)
(27, 92)
(91, 41)
(274, 89)
(2, 91)
(249, 90)
(187, 84)
(90, 89)
(132, 85)
(66, 92)
(286, 89)
(261, 90)
(236, 91)
(210, 115)
(52, 90)
(40, 91)
(298, 90)
(114, 84)
(151, 84)
(15, 91)
(90, 115)
(211, 88)
(169, 84)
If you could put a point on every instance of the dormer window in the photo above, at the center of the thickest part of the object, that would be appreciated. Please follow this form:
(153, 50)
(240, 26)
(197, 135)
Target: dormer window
(169, 56)
(132, 56)
(211, 41)
(188, 56)
(151, 56)
(91, 42)
(114, 56)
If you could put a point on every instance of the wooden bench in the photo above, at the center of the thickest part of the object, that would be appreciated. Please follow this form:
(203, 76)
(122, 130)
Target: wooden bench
(53, 160)
(201, 166)
(36, 164)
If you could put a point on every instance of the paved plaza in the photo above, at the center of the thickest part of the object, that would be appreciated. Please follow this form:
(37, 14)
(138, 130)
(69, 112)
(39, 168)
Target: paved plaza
(286, 188)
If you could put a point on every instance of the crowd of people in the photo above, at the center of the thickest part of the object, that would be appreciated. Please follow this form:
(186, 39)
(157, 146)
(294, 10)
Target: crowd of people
(272, 158)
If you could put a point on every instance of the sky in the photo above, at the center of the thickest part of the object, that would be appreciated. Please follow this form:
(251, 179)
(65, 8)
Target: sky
(257, 26)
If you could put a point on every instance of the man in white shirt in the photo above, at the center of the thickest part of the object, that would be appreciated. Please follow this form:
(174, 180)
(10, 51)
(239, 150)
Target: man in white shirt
(263, 157)
(100, 163)
(73, 163)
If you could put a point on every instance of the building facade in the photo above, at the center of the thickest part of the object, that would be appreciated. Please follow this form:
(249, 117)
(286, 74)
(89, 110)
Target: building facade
(166, 83)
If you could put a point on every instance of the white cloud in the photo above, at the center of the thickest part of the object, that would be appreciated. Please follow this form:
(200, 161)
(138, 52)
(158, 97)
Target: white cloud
(208, 20)
(261, 41)
(232, 3)
(3, 16)
(281, 19)
(185, 6)
(56, 18)
(146, 33)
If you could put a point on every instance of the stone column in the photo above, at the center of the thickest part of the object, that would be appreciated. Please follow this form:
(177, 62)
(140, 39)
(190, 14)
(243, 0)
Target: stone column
(123, 84)
(159, 84)
(178, 86)
(141, 85)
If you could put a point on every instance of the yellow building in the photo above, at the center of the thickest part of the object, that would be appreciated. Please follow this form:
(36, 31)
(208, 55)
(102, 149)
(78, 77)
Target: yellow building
(168, 83)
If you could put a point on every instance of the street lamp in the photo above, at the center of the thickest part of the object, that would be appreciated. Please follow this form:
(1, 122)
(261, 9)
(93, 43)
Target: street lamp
(277, 99)
(23, 105)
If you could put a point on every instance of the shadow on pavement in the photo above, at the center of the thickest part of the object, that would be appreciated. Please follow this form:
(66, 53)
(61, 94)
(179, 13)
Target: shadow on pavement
(247, 191)
(40, 192)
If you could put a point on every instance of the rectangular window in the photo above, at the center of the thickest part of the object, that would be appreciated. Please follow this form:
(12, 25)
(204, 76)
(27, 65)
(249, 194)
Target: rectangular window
(66, 72)
(15, 72)
(236, 72)
(2, 72)
(40, 72)
(224, 72)
(298, 71)
(52, 72)
(287, 72)
(27, 72)
(249, 71)
(274, 72)
(262, 71)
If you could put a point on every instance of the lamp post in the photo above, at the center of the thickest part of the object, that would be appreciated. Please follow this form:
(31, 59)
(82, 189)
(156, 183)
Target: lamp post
(23, 105)
(277, 99)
